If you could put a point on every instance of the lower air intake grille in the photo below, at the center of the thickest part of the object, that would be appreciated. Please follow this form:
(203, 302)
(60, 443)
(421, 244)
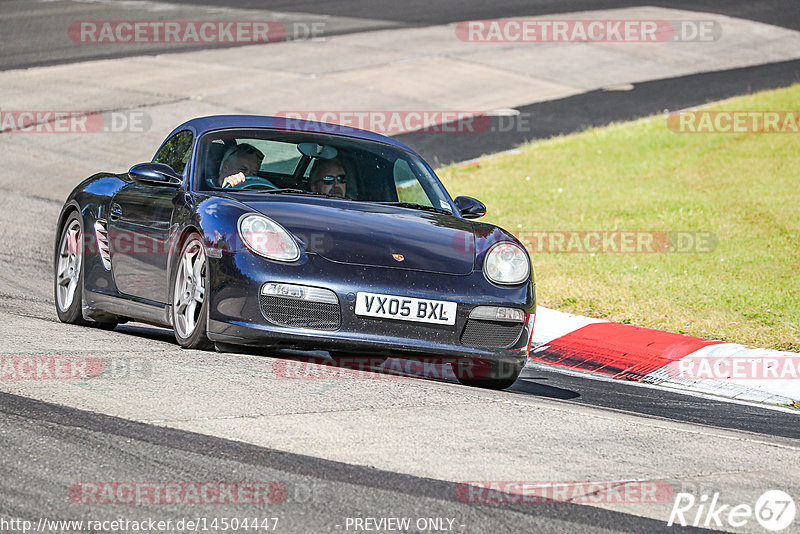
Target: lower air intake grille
(490, 334)
(300, 313)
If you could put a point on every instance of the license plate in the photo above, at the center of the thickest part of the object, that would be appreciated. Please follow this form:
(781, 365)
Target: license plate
(406, 308)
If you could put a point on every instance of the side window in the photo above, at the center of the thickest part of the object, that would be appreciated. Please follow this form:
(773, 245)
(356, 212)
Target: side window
(176, 151)
(408, 187)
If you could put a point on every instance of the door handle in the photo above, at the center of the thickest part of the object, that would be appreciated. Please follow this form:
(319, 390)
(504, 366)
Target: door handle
(116, 212)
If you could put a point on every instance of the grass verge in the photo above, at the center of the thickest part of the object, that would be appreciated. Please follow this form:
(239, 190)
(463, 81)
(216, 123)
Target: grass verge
(742, 189)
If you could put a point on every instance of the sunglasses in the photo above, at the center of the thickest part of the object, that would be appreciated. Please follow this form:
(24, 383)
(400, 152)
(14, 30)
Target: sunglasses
(328, 180)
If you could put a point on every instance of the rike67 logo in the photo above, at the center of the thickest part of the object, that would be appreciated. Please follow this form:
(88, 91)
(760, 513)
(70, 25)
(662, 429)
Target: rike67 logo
(774, 510)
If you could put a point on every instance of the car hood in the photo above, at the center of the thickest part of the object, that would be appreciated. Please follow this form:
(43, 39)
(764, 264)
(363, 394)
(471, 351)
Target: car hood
(360, 233)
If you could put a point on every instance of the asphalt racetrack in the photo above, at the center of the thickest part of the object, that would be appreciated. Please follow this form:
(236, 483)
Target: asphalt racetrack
(344, 452)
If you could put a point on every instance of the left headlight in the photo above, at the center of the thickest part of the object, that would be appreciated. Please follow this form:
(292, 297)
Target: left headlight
(506, 263)
(267, 238)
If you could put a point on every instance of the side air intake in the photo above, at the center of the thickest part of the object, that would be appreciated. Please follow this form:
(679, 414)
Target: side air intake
(101, 232)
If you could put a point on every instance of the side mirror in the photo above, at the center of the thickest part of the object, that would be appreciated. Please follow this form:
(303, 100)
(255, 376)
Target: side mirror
(155, 174)
(470, 208)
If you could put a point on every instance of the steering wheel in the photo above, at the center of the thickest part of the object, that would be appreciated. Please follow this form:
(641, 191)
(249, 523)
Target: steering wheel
(254, 182)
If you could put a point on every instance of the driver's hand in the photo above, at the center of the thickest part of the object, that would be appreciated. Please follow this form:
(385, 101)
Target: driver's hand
(233, 179)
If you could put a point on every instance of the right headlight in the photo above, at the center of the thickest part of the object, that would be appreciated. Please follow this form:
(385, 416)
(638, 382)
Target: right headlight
(267, 238)
(506, 263)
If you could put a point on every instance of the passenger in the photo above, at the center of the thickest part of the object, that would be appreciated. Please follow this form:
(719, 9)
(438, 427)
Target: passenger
(327, 177)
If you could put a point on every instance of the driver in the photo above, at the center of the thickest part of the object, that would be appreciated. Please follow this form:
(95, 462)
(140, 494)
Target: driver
(327, 177)
(243, 161)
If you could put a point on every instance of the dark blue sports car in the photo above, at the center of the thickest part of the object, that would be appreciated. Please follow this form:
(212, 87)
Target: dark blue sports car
(273, 232)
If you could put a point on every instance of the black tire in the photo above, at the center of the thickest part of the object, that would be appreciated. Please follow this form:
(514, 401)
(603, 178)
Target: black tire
(489, 375)
(69, 310)
(488, 383)
(105, 325)
(195, 337)
(229, 347)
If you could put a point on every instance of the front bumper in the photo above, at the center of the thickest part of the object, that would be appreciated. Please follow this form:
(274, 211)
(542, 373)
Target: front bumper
(235, 314)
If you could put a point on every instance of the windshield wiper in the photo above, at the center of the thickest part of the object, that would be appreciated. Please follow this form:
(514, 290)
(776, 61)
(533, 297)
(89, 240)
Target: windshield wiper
(415, 206)
(289, 191)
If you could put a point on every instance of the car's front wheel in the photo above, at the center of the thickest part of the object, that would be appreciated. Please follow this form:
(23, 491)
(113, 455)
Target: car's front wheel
(68, 263)
(189, 296)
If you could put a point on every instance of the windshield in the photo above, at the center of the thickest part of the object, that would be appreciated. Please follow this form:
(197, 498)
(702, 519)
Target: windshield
(315, 164)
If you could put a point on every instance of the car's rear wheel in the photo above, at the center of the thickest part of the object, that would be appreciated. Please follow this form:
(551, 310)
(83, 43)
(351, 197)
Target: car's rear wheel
(68, 267)
(189, 313)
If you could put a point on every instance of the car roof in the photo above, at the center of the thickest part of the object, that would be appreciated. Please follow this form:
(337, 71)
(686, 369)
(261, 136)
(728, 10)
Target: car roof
(202, 125)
